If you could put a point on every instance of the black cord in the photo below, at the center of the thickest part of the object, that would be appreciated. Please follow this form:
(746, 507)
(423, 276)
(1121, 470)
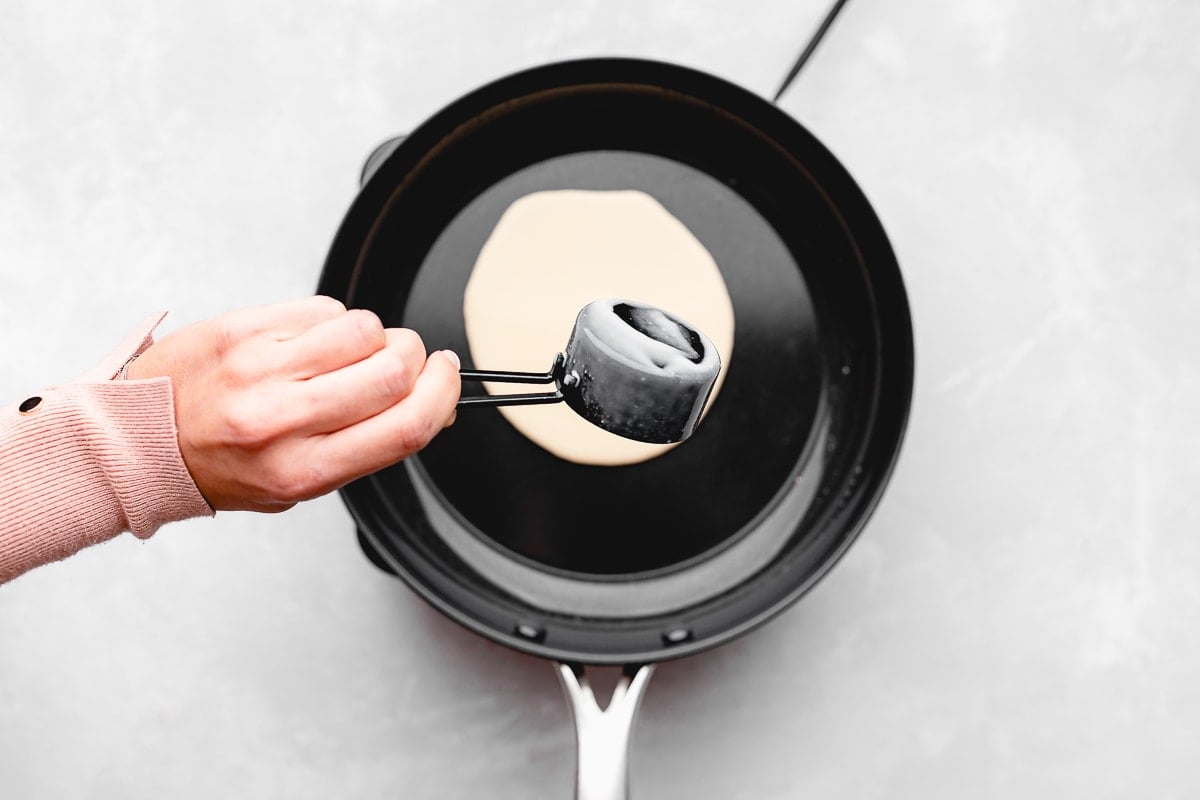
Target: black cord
(808, 50)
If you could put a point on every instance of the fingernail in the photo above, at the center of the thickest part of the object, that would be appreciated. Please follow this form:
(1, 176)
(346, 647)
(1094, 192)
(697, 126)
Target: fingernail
(453, 356)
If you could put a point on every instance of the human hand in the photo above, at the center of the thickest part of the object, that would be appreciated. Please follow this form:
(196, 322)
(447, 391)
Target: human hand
(282, 403)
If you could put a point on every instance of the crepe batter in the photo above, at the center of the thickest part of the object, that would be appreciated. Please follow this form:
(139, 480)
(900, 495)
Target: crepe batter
(552, 253)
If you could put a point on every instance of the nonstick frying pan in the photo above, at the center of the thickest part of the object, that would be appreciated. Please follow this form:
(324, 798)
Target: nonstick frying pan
(634, 564)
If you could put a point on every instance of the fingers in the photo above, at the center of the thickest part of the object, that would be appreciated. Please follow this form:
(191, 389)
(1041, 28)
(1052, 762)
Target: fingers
(400, 430)
(341, 397)
(282, 320)
(335, 343)
(281, 403)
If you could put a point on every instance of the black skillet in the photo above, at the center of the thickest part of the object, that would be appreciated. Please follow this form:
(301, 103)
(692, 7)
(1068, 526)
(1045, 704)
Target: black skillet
(635, 564)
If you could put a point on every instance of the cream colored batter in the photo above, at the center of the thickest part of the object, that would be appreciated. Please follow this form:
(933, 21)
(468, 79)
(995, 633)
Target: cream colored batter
(551, 254)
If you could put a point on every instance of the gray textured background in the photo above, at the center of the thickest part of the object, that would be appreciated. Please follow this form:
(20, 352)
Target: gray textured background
(1018, 620)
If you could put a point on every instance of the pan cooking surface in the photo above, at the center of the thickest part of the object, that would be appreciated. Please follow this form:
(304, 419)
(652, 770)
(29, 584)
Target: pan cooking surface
(659, 514)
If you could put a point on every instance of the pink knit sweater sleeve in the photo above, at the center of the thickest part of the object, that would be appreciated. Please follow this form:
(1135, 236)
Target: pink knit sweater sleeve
(84, 461)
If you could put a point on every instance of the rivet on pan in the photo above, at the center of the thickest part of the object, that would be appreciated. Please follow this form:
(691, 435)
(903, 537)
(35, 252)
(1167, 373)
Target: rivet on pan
(527, 630)
(677, 636)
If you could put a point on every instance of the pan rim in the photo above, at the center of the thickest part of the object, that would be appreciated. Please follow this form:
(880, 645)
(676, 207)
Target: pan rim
(899, 364)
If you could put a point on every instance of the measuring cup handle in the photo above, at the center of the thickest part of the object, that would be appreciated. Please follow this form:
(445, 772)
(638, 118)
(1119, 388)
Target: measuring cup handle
(553, 375)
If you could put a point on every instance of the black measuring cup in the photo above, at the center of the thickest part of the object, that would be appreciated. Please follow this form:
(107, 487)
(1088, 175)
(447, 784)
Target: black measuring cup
(629, 368)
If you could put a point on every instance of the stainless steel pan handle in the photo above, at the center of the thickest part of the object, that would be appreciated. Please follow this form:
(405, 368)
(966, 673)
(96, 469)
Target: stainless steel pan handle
(602, 734)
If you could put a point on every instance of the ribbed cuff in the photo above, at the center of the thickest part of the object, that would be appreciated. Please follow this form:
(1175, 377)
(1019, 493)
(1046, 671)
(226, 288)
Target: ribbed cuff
(144, 466)
(89, 460)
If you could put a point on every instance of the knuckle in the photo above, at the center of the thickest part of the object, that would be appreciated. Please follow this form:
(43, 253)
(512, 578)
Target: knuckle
(413, 434)
(368, 327)
(248, 426)
(326, 305)
(407, 341)
(243, 368)
(395, 375)
(286, 488)
(295, 483)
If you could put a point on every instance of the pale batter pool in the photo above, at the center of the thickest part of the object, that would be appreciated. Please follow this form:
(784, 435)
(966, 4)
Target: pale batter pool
(553, 252)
